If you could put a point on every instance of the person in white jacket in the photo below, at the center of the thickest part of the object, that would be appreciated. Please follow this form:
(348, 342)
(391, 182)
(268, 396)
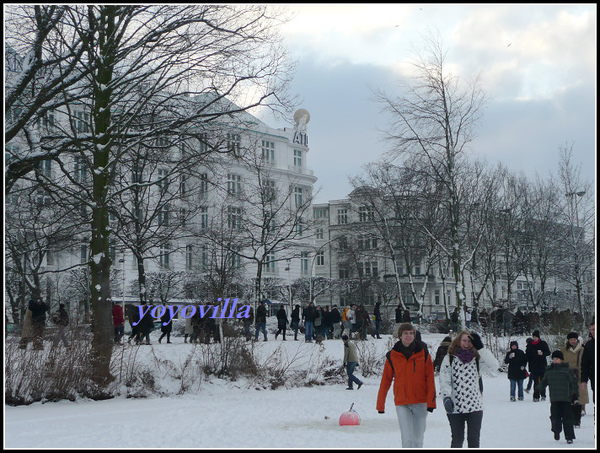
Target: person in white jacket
(461, 388)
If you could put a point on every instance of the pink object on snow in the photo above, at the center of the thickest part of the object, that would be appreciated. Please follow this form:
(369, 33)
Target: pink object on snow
(349, 417)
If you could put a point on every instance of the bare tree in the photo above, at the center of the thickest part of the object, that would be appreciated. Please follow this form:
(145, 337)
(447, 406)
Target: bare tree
(185, 62)
(433, 123)
(578, 242)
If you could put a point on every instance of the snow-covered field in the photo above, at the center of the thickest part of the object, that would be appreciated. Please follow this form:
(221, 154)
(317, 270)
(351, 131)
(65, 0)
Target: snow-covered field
(222, 414)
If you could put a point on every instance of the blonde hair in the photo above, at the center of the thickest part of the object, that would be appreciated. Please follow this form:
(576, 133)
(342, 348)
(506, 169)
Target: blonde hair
(456, 343)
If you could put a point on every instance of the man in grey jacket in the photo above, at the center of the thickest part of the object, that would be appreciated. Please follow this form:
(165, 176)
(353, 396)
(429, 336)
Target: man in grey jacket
(350, 362)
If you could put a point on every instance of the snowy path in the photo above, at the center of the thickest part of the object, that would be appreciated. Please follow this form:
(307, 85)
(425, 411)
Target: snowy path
(225, 416)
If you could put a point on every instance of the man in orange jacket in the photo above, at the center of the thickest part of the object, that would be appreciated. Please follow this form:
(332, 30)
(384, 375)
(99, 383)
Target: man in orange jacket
(410, 366)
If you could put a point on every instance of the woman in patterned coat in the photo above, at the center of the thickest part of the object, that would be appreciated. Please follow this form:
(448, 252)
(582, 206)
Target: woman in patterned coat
(461, 388)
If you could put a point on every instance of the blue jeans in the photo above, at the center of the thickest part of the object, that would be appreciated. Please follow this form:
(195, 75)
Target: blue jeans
(308, 331)
(513, 384)
(261, 326)
(350, 366)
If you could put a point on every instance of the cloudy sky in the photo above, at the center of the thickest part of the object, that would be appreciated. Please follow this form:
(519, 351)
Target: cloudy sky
(536, 63)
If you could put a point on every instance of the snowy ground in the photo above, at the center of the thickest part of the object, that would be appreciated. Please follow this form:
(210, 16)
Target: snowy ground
(242, 414)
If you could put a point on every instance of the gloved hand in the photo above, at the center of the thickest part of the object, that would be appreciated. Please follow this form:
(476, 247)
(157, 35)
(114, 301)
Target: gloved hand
(430, 409)
(448, 405)
(476, 341)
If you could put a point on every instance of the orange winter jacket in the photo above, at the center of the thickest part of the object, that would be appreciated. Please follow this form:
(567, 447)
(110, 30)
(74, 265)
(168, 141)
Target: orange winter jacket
(413, 378)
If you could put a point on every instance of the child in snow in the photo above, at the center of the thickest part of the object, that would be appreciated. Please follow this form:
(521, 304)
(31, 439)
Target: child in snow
(563, 391)
(516, 360)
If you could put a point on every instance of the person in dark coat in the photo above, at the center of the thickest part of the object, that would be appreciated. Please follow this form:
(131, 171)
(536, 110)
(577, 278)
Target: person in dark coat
(377, 314)
(588, 361)
(563, 392)
(295, 321)
(309, 315)
(517, 361)
(398, 318)
(282, 322)
(38, 321)
(166, 326)
(261, 320)
(363, 321)
(248, 324)
(441, 352)
(536, 353)
(146, 324)
(336, 321)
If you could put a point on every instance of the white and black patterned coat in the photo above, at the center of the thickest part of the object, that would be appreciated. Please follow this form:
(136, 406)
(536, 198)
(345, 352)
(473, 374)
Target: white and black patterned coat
(460, 381)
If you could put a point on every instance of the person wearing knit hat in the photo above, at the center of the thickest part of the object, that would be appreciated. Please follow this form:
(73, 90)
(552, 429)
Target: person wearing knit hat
(573, 355)
(410, 368)
(536, 353)
(564, 391)
(516, 360)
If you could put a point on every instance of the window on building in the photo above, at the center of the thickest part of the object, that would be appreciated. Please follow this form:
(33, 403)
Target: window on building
(50, 257)
(203, 217)
(234, 144)
(235, 261)
(137, 171)
(45, 168)
(82, 121)
(319, 233)
(47, 120)
(234, 184)
(183, 185)
(321, 213)
(203, 186)
(234, 218)
(299, 196)
(437, 297)
(163, 257)
(365, 214)
(189, 257)
(367, 269)
(163, 215)
(299, 228)
(163, 180)
(298, 158)
(366, 242)
(304, 263)
(42, 198)
(268, 190)
(80, 173)
(342, 216)
(204, 257)
(269, 264)
(321, 258)
(268, 152)
(344, 272)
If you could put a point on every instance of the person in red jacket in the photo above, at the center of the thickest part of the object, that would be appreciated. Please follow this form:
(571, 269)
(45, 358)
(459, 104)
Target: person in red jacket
(118, 322)
(409, 365)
